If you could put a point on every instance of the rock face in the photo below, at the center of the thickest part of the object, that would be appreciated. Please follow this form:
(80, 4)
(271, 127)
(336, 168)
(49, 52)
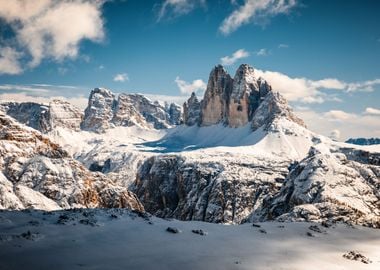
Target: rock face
(37, 173)
(245, 97)
(215, 101)
(105, 111)
(330, 186)
(63, 114)
(175, 113)
(100, 110)
(271, 107)
(191, 110)
(29, 113)
(226, 192)
(234, 102)
(44, 117)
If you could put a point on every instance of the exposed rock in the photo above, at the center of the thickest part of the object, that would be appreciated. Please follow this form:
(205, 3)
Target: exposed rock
(105, 111)
(245, 97)
(172, 230)
(326, 186)
(356, 256)
(170, 186)
(238, 101)
(175, 114)
(37, 173)
(42, 117)
(214, 105)
(273, 106)
(191, 111)
(99, 112)
(31, 114)
(64, 114)
(199, 231)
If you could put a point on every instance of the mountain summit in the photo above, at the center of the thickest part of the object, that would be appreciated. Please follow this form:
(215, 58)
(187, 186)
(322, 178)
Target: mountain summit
(237, 101)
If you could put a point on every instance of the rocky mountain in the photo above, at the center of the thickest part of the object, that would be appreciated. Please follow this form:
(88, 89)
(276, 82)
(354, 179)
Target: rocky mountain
(42, 117)
(37, 173)
(191, 111)
(364, 141)
(240, 155)
(104, 110)
(331, 184)
(236, 102)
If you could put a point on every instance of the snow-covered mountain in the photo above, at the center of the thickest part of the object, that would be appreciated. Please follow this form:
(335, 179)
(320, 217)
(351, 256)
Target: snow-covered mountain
(44, 117)
(37, 173)
(240, 155)
(104, 110)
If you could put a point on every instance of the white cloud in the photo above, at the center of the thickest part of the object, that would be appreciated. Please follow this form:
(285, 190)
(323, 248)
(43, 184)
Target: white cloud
(229, 60)
(335, 134)
(42, 89)
(372, 111)
(166, 98)
(262, 52)
(366, 86)
(255, 9)
(350, 125)
(283, 46)
(79, 101)
(121, 77)
(309, 91)
(9, 63)
(188, 88)
(338, 115)
(101, 67)
(174, 8)
(51, 29)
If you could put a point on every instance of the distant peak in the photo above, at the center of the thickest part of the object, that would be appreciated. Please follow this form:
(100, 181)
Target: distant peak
(103, 91)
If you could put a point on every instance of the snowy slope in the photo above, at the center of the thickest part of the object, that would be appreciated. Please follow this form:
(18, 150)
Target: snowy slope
(121, 240)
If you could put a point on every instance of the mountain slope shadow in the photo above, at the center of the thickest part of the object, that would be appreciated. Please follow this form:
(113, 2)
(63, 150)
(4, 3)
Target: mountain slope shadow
(185, 138)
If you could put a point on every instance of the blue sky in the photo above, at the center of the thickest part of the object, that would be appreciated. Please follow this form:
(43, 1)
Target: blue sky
(322, 55)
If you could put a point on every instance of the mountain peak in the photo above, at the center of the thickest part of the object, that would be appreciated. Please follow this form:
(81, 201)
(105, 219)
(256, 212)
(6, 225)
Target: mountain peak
(237, 101)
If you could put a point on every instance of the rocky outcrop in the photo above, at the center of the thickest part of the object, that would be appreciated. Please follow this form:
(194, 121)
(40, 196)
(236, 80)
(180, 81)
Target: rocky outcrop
(104, 111)
(245, 96)
(31, 114)
(100, 110)
(271, 107)
(329, 186)
(64, 114)
(191, 111)
(37, 173)
(214, 106)
(226, 192)
(42, 117)
(234, 102)
(175, 113)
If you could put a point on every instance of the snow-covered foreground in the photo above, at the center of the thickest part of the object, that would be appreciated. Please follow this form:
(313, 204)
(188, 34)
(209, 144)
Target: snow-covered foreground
(118, 239)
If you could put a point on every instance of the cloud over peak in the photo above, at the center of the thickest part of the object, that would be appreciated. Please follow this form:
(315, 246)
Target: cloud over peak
(230, 60)
(187, 88)
(121, 77)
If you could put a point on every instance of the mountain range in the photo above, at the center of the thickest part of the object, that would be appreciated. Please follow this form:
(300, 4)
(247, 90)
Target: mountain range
(239, 154)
